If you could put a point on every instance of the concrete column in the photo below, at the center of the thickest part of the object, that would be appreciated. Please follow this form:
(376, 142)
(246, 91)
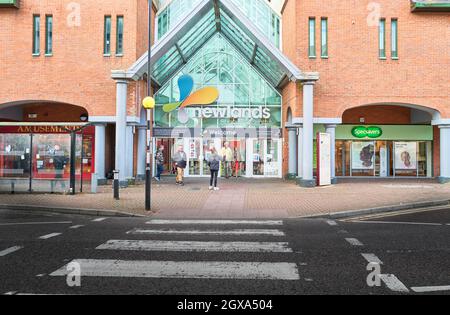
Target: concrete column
(331, 130)
(121, 132)
(308, 134)
(141, 152)
(445, 154)
(129, 153)
(300, 153)
(292, 152)
(100, 136)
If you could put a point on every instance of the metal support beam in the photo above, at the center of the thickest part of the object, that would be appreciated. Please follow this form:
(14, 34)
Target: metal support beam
(252, 60)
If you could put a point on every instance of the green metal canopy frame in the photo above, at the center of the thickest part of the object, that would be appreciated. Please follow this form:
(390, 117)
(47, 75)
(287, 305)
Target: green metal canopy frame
(430, 5)
(208, 18)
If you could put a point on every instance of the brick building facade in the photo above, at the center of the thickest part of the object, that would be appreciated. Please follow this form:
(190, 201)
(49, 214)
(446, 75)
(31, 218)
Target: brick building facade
(336, 61)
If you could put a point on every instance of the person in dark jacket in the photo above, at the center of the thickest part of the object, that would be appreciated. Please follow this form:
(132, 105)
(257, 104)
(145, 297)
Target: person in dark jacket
(159, 163)
(214, 166)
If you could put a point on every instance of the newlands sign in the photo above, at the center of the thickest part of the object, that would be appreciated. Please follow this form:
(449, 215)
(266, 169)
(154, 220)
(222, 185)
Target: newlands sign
(230, 112)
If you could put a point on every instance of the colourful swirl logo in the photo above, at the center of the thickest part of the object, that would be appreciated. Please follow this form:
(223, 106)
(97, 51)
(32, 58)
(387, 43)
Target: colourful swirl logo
(205, 96)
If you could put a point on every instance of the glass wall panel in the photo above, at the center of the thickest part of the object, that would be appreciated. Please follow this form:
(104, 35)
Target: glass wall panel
(241, 88)
(14, 162)
(51, 163)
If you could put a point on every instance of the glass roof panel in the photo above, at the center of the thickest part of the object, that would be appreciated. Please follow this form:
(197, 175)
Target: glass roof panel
(186, 44)
(236, 35)
(218, 63)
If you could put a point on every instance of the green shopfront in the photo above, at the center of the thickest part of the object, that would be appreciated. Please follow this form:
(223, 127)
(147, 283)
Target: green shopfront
(383, 150)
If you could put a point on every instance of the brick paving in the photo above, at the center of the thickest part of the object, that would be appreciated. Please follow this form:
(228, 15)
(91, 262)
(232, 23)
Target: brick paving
(246, 198)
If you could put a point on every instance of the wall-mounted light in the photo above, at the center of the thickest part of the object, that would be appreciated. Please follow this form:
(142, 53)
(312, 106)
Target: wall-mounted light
(84, 117)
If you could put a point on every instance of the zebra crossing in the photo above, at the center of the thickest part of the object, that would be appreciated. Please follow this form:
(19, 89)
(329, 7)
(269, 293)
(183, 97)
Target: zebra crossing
(245, 240)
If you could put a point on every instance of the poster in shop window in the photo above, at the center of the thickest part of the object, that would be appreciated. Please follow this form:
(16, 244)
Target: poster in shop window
(363, 155)
(405, 155)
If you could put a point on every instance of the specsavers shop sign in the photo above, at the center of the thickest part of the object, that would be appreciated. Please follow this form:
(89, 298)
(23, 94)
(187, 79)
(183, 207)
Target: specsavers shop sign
(362, 132)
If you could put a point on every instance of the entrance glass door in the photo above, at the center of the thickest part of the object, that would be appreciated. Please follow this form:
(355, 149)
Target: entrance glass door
(265, 157)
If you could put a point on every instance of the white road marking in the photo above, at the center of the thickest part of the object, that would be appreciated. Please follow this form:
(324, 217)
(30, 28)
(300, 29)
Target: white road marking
(34, 223)
(10, 250)
(76, 227)
(46, 237)
(210, 232)
(10, 293)
(186, 246)
(185, 270)
(371, 258)
(215, 222)
(392, 282)
(354, 242)
(332, 222)
(431, 289)
(400, 223)
(99, 220)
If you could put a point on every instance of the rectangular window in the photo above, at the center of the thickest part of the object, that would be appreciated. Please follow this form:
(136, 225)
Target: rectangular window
(107, 36)
(324, 38)
(36, 34)
(312, 38)
(119, 39)
(49, 35)
(394, 39)
(382, 39)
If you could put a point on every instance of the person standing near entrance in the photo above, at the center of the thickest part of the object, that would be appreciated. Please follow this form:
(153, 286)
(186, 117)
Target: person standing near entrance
(180, 160)
(227, 158)
(159, 163)
(214, 166)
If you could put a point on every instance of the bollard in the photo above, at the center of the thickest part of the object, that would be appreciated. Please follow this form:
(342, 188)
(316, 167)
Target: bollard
(94, 183)
(116, 185)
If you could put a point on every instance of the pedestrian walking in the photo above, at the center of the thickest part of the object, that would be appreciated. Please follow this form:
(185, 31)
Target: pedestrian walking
(227, 158)
(159, 163)
(180, 160)
(214, 166)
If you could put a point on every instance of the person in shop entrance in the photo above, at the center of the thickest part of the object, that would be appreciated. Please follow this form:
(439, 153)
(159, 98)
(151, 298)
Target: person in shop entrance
(227, 158)
(159, 163)
(180, 160)
(59, 162)
(214, 166)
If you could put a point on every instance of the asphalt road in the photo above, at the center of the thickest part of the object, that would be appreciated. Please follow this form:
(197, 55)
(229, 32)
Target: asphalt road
(290, 257)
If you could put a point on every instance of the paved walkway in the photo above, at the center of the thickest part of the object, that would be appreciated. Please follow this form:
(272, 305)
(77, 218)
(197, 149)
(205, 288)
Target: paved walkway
(246, 198)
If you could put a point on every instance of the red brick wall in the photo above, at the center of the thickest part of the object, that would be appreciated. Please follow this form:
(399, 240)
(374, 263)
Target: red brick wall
(378, 115)
(354, 75)
(77, 73)
(437, 152)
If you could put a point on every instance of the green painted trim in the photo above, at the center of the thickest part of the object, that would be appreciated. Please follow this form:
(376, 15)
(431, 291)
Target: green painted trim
(390, 132)
(10, 3)
(433, 6)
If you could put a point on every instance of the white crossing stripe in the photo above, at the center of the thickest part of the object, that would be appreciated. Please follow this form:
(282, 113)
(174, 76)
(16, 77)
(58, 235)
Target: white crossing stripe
(431, 289)
(187, 246)
(76, 227)
(35, 223)
(209, 232)
(46, 237)
(185, 270)
(215, 222)
(99, 220)
(332, 222)
(393, 283)
(354, 242)
(399, 223)
(10, 250)
(371, 258)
